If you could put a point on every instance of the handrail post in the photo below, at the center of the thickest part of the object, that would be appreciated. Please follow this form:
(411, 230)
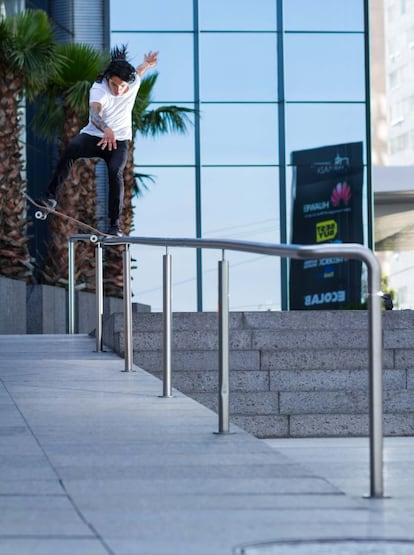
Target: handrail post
(127, 310)
(167, 325)
(99, 296)
(71, 287)
(223, 344)
(375, 379)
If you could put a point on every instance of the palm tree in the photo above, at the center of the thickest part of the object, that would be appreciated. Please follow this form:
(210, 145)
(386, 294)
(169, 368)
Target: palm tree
(62, 113)
(162, 120)
(27, 60)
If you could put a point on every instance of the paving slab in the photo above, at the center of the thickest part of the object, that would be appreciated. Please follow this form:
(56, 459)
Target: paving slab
(93, 461)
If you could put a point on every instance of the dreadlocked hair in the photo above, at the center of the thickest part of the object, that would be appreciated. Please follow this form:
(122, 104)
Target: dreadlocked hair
(119, 52)
(118, 66)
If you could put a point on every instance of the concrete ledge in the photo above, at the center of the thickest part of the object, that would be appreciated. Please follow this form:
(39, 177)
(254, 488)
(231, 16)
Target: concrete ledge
(312, 320)
(46, 309)
(12, 306)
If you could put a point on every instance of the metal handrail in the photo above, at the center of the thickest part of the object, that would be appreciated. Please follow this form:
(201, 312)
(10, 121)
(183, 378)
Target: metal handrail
(346, 251)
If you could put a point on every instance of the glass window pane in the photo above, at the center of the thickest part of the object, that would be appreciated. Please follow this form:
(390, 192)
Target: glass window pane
(324, 67)
(241, 204)
(254, 281)
(175, 62)
(166, 210)
(154, 15)
(324, 15)
(237, 15)
(315, 125)
(171, 149)
(236, 80)
(239, 134)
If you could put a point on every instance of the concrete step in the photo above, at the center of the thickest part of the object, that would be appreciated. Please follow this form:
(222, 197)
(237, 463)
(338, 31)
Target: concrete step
(282, 359)
(297, 381)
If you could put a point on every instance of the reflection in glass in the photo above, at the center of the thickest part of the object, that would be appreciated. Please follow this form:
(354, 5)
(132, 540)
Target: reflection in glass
(239, 133)
(324, 67)
(166, 210)
(237, 15)
(225, 212)
(242, 204)
(315, 125)
(235, 80)
(154, 15)
(171, 149)
(253, 281)
(323, 15)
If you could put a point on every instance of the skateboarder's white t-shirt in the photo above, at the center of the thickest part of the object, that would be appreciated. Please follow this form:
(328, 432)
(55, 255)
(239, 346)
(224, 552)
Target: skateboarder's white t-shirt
(116, 110)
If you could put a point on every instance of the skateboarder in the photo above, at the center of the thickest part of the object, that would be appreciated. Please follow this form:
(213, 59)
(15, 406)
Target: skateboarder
(107, 135)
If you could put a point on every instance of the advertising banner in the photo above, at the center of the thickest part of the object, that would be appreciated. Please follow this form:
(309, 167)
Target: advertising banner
(327, 208)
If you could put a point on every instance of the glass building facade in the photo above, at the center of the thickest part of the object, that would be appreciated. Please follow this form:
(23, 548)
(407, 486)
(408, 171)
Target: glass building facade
(268, 78)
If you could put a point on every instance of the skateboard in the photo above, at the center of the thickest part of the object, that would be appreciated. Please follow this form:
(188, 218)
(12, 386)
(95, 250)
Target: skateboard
(42, 213)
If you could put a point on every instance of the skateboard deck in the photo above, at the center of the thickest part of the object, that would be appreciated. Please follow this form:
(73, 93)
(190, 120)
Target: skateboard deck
(42, 213)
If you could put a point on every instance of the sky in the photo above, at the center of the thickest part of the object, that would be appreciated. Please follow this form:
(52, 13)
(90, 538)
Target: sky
(324, 88)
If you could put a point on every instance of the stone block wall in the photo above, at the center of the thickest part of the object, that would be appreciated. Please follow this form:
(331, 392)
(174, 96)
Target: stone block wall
(292, 374)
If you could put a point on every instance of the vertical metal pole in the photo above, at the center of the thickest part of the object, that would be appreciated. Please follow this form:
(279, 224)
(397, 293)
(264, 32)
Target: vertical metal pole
(167, 325)
(375, 379)
(127, 310)
(223, 340)
(71, 286)
(197, 154)
(368, 134)
(281, 102)
(99, 296)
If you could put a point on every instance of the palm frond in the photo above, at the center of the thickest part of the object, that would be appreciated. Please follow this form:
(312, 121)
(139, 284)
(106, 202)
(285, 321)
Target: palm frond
(33, 53)
(165, 119)
(5, 41)
(84, 63)
(141, 183)
(77, 97)
(69, 89)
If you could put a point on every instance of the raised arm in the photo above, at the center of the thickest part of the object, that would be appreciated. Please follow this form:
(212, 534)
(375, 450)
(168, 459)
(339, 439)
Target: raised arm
(150, 60)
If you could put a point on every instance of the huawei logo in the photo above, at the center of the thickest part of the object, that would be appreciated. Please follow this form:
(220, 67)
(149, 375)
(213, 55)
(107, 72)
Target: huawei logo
(341, 192)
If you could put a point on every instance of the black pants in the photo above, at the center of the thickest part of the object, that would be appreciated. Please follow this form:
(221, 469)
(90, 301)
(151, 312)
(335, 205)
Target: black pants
(85, 146)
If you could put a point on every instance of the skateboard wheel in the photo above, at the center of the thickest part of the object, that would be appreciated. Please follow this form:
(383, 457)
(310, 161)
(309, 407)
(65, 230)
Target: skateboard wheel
(93, 238)
(39, 215)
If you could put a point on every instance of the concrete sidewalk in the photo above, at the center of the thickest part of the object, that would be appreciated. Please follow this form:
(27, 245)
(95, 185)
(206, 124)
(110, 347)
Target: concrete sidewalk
(93, 461)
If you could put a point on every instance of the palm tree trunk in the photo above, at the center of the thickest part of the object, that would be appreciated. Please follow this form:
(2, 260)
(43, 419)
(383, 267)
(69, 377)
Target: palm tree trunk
(14, 249)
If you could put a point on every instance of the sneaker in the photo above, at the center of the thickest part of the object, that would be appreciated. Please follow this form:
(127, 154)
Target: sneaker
(115, 230)
(47, 201)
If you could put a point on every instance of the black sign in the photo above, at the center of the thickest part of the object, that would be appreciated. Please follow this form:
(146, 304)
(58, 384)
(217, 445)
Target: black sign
(327, 208)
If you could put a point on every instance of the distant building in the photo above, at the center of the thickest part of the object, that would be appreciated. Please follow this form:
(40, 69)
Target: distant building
(392, 71)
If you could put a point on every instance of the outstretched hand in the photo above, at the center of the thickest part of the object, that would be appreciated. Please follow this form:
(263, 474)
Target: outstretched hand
(151, 58)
